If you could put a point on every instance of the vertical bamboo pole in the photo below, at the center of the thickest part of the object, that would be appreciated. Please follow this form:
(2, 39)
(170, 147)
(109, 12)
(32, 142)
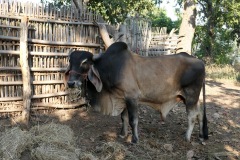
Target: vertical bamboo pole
(25, 71)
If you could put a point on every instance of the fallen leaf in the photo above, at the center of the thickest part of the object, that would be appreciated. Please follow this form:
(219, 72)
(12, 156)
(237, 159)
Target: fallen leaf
(168, 147)
(204, 143)
(92, 139)
(216, 115)
(190, 154)
(144, 111)
(223, 154)
(194, 144)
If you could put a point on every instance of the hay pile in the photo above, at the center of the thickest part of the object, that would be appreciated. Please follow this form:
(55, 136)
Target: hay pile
(13, 142)
(46, 142)
(55, 151)
(87, 156)
(54, 142)
(74, 94)
(51, 133)
(113, 151)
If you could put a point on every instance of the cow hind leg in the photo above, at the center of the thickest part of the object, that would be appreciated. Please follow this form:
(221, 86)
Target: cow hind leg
(192, 116)
(200, 121)
(133, 118)
(197, 112)
(124, 117)
(192, 82)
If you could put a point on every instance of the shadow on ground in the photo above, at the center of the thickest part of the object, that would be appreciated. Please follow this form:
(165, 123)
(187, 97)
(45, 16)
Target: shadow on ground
(157, 140)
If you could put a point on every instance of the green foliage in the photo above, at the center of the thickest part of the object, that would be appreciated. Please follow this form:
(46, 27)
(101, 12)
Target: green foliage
(220, 30)
(222, 45)
(160, 19)
(57, 3)
(115, 11)
(228, 14)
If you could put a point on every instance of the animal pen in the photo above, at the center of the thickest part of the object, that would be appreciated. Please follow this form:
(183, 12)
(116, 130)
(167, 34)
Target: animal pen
(34, 44)
(35, 40)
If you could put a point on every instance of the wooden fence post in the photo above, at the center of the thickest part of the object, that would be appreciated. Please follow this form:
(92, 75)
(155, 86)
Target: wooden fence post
(25, 71)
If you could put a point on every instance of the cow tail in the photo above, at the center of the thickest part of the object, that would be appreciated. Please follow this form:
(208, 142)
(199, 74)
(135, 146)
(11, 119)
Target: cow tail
(205, 127)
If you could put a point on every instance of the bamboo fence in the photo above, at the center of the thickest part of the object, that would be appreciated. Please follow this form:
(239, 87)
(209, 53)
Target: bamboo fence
(149, 41)
(35, 40)
(138, 32)
(34, 43)
(162, 42)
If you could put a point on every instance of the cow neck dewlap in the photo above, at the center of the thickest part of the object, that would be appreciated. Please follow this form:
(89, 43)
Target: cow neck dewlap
(110, 104)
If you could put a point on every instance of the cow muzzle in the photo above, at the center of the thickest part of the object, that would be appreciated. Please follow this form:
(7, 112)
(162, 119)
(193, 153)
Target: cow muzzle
(74, 84)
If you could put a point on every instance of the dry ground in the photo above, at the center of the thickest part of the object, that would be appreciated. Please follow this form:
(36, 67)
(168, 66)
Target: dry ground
(157, 140)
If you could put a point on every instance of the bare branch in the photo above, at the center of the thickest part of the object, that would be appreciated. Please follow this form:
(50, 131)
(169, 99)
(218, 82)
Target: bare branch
(203, 6)
(104, 34)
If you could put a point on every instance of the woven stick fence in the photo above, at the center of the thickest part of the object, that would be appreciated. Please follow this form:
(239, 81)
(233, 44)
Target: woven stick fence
(35, 40)
(163, 43)
(149, 41)
(138, 34)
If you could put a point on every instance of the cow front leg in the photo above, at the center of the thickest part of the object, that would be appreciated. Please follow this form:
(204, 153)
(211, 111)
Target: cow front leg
(124, 117)
(133, 118)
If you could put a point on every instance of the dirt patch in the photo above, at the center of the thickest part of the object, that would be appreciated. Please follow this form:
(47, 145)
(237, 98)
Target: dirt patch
(97, 135)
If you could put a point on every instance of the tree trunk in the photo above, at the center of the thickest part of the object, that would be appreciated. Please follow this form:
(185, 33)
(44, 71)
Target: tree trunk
(75, 2)
(25, 72)
(210, 29)
(187, 27)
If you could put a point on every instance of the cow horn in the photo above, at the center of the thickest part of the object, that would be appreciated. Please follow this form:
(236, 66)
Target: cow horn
(85, 60)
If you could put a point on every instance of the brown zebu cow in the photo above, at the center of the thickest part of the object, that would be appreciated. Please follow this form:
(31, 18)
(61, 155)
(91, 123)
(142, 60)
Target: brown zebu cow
(120, 80)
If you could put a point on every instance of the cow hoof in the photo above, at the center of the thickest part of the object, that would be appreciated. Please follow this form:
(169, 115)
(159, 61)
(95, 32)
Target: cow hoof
(187, 138)
(121, 136)
(134, 140)
(201, 139)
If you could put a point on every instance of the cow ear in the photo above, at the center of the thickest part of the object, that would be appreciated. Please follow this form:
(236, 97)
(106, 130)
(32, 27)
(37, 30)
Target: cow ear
(94, 77)
(66, 75)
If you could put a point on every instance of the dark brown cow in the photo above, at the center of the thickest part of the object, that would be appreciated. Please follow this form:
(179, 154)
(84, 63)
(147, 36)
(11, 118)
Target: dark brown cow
(120, 80)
